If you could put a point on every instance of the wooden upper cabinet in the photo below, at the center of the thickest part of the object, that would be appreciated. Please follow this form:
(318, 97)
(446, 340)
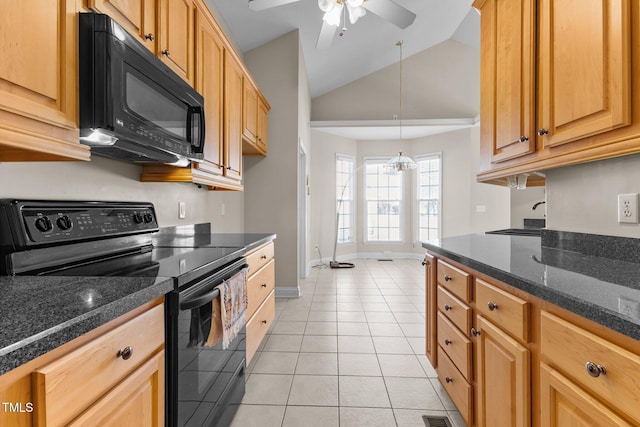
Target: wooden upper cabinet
(263, 126)
(507, 77)
(584, 68)
(233, 95)
(38, 81)
(176, 36)
(138, 17)
(250, 112)
(209, 82)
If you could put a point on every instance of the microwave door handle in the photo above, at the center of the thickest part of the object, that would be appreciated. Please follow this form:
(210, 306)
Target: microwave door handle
(199, 111)
(199, 300)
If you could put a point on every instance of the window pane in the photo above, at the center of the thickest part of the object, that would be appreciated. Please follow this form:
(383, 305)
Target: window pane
(344, 197)
(428, 193)
(383, 195)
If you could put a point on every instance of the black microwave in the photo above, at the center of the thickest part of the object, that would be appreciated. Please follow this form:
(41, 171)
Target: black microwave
(132, 106)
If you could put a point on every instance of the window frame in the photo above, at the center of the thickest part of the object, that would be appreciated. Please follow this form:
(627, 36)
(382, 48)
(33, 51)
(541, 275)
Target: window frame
(353, 200)
(402, 204)
(416, 195)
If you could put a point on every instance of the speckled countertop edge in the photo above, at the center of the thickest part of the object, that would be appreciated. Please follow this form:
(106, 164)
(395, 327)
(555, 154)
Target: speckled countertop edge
(586, 309)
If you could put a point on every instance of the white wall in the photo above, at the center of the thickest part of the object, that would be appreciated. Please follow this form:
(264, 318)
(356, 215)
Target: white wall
(461, 192)
(104, 179)
(522, 202)
(583, 198)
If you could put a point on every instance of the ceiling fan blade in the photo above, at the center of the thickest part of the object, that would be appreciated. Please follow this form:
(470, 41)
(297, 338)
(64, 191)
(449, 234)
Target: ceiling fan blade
(258, 5)
(326, 35)
(391, 11)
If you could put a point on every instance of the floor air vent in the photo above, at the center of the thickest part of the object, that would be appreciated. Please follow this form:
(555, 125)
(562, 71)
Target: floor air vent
(430, 421)
(384, 259)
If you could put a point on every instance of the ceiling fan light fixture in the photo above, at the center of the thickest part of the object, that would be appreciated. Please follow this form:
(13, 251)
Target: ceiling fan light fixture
(332, 17)
(355, 12)
(326, 5)
(355, 3)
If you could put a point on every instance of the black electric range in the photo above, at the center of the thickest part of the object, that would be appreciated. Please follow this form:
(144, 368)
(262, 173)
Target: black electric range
(204, 382)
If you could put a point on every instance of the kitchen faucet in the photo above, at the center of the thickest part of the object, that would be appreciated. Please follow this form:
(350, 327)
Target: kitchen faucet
(538, 204)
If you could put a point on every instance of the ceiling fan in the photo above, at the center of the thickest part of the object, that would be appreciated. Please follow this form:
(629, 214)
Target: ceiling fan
(335, 12)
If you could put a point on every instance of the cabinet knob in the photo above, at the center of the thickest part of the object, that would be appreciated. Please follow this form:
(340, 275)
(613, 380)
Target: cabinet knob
(228, 167)
(543, 131)
(264, 285)
(165, 52)
(125, 353)
(448, 278)
(475, 332)
(425, 262)
(523, 139)
(264, 322)
(447, 307)
(595, 370)
(448, 379)
(263, 257)
(149, 37)
(492, 306)
(448, 342)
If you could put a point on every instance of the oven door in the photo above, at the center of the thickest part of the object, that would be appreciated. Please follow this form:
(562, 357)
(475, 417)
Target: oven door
(205, 383)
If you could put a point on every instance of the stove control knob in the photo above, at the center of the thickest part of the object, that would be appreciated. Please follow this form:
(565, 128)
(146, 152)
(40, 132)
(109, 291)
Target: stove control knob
(137, 218)
(64, 223)
(148, 217)
(43, 224)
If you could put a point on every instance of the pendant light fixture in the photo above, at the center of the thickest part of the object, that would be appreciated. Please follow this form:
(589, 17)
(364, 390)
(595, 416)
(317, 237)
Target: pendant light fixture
(400, 163)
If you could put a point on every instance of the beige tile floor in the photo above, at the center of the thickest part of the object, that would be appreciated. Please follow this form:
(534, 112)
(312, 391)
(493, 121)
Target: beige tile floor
(349, 352)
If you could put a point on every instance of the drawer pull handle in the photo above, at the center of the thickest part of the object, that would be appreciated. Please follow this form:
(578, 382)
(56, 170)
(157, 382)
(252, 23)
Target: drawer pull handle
(595, 370)
(125, 353)
(448, 379)
(448, 342)
(264, 322)
(263, 257)
(475, 332)
(447, 307)
(492, 306)
(448, 278)
(264, 285)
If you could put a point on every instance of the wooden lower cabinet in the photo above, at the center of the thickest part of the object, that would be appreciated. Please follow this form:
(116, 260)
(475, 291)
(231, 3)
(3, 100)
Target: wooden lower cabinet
(259, 325)
(535, 364)
(431, 347)
(113, 375)
(563, 403)
(502, 379)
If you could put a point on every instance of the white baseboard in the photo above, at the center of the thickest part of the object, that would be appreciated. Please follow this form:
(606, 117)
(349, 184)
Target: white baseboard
(287, 292)
(370, 255)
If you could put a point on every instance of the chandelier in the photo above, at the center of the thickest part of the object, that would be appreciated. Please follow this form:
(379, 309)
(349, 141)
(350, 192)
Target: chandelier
(400, 163)
(334, 9)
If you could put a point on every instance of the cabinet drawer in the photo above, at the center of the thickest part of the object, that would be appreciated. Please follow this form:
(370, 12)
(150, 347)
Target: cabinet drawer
(259, 324)
(454, 280)
(260, 257)
(61, 388)
(455, 310)
(507, 311)
(459, 390)
(457, 346)
(570, 348)
(259, 286)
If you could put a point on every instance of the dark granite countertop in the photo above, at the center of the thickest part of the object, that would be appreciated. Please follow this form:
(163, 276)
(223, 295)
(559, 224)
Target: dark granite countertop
(604, 290)
(40, 313)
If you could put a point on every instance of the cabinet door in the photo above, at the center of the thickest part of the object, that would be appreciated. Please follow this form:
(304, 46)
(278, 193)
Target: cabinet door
(584, 68)
(263, 126)
(250, 112)
(138, 400)
(502, 378)
(138, 17)
(563, 403)
(233, 77)
(209, 82)
(38, 81)
(176, 36)
(507, 33)
(431, 287)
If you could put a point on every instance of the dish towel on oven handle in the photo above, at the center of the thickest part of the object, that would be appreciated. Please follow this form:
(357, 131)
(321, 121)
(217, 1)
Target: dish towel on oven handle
(233, 301)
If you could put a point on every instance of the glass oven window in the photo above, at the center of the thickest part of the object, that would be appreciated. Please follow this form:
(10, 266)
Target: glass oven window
(156, 106)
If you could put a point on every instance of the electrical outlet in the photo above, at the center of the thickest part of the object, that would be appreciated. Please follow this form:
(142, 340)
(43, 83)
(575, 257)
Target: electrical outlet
(182, 210)
(628, 208)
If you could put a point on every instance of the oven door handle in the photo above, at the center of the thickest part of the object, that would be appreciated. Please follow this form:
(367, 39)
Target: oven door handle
(200, 300)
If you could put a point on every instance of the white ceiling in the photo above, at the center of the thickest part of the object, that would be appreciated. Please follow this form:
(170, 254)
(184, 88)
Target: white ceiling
(367, 46)
(373, 130)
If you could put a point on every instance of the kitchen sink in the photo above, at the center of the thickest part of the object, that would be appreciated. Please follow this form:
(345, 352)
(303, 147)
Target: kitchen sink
(517, 232)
